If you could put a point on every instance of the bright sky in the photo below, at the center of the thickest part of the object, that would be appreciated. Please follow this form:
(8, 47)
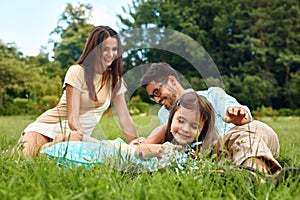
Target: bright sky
(29, 23)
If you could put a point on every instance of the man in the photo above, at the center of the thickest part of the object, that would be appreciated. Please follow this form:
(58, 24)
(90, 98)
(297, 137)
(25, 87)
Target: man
(163, 86)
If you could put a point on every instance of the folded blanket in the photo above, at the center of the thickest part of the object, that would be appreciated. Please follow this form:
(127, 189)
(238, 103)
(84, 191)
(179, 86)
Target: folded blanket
(114, 153)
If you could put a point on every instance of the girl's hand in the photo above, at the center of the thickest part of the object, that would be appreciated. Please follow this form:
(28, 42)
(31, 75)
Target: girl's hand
(137, 141)
(165, 147)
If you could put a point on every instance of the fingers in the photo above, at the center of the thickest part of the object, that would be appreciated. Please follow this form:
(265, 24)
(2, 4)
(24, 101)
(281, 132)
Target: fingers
(137, 141)
(167, 147)
(236, 115)
(236, 111)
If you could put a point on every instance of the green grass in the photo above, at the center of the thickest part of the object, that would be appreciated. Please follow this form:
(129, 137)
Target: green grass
(43, 179)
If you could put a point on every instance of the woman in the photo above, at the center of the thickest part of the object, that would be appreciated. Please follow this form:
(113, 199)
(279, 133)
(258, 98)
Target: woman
(89, 87)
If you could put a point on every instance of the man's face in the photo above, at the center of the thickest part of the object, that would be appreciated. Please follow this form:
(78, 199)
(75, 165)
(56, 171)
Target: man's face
(162, 93)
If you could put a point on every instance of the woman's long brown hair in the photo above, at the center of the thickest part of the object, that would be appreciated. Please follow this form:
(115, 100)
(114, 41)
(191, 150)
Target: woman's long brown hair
(193, 101)
(90, 59)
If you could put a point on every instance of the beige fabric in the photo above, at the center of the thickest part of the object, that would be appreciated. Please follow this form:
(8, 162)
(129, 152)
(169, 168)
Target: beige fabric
(255, 139)
(54, 121)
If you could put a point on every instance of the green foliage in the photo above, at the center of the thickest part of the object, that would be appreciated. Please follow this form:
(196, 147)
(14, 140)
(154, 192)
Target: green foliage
(251, 40)
(258, 90)
(288, 112)
(73, 30)
(264, 112)
(255, 45)
(197, 83)
(285, 112)
(21, 105)
(293, 91)
(48, 102)
(136, 106)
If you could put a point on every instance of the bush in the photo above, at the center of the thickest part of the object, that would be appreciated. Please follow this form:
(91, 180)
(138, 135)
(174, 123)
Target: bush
(285, 112)
(48, 102)
(136, 106)
(265, 111)
(20, 105)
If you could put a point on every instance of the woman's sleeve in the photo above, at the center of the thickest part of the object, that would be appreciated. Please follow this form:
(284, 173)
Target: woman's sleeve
(74, 77)
(123, 88)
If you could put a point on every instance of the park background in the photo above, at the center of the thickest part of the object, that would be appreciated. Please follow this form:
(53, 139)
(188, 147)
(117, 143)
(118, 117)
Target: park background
(254, 44)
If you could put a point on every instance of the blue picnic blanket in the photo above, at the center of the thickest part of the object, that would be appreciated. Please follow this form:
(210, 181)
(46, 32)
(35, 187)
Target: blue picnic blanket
(114, 153)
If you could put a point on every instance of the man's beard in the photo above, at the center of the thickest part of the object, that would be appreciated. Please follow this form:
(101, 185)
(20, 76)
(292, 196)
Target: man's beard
(172, 101)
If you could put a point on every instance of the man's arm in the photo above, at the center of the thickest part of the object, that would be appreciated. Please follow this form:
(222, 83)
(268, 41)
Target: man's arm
(221, 101)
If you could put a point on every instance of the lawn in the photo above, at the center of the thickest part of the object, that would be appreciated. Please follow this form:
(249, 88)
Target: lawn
(41, 178)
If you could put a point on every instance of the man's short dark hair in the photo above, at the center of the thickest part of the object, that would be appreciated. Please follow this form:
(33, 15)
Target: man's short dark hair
(158, 72)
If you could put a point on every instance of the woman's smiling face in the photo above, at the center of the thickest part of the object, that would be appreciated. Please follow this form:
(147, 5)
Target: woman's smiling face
(109, 51)
(186, 125)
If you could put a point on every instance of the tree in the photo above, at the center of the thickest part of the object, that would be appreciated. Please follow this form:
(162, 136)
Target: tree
(10, 68)
(266, 41)
(293, 90)
(252, 40)
(73, 29)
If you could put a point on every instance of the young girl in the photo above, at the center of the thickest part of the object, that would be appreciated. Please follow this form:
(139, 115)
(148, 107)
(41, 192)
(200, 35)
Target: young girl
(253, 144)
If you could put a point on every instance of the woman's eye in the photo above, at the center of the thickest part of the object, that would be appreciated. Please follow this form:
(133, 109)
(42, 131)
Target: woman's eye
(180, 121)
(115, 49)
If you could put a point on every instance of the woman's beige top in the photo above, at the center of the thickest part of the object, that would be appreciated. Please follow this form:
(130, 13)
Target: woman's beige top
(54, 121)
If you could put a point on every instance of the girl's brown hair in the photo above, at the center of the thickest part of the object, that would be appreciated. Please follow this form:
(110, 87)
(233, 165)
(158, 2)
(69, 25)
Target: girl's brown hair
(91, 58)
(193, 101)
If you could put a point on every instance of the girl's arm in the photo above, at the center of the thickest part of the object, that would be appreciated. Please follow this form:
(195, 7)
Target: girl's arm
(126, 121)
(157, 136)
(145, 151)
(73, 107)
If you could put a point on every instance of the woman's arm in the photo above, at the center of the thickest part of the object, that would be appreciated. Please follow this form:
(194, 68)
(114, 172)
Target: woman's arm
(73, 106)
(126, 121)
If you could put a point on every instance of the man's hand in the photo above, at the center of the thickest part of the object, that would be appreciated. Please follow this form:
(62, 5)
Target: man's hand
(236, 115)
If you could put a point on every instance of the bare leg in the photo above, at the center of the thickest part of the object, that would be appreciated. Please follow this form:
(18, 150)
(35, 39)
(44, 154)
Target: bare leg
(32, 142)
(73, 136)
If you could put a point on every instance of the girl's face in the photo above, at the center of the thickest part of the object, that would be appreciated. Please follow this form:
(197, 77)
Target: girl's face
(186, 125)
(109, 51)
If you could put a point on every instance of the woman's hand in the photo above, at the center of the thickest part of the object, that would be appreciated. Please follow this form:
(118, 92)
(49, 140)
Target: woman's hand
(236, 115)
